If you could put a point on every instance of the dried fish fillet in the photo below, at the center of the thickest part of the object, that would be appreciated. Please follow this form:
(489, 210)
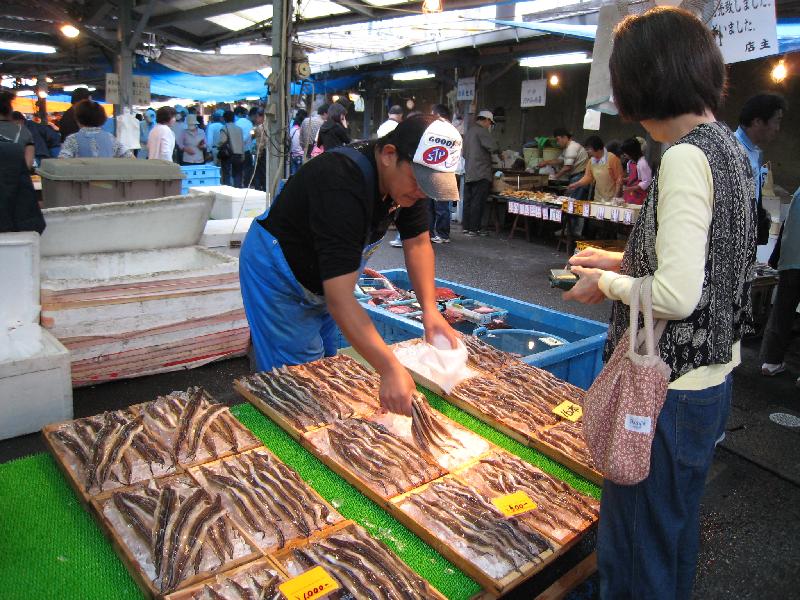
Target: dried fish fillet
(257, 581)
(567, 437)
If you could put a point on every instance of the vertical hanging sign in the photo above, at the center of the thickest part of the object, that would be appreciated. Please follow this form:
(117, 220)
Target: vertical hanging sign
(112, 88)
(141, 90)
(745, 29)
(534, 93)
(466, 89)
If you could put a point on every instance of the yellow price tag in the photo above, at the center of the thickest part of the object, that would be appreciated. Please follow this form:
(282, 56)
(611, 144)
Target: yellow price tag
(514, 504)
(314, 583)
(569, 410)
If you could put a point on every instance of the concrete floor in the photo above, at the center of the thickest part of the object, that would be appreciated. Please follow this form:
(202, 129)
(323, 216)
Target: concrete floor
(751, 507)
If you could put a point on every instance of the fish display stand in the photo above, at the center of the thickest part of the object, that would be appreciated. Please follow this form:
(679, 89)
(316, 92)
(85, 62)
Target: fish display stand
(221, 582)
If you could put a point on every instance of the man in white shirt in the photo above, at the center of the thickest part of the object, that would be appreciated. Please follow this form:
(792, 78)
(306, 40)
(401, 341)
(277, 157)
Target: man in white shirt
(161, 141)
(395, 116)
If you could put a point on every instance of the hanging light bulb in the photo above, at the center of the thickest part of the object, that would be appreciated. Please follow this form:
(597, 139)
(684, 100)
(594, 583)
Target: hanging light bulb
(432, 6)
(70, 31)
(554, 80)
(779, 72)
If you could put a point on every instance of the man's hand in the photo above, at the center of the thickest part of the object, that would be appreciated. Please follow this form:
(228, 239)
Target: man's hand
(436, 325)
(397, 388)
(595, 258)
(586, 291)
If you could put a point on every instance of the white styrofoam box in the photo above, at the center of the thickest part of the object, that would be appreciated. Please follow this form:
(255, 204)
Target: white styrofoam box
(764, 252)
(19, 274)
(35, 391)
(35, 386)
(231, 202)
(219, 234)
(169, 222)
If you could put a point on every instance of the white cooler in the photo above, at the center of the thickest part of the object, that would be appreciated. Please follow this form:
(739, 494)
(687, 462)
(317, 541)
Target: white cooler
(35, 388)
(231, 202)
(127, 289)
(226, 235)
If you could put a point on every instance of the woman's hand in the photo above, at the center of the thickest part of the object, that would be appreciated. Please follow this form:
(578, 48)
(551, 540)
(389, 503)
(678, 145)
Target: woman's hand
(587, 290)
(595, 258)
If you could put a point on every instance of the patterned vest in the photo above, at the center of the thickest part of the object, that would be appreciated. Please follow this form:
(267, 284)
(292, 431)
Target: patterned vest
(705, 337)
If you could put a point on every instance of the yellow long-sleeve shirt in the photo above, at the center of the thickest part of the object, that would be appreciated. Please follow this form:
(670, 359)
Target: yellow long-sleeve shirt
(685, 208)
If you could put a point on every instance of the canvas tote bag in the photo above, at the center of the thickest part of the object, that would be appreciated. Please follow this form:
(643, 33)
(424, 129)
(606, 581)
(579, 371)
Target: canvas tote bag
(622, 405)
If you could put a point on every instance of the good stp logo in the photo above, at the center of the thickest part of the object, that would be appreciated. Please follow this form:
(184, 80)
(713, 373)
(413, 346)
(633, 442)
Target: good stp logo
(435, 155)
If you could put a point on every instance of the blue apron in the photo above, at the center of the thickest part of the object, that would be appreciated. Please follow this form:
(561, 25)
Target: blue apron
(289, 325)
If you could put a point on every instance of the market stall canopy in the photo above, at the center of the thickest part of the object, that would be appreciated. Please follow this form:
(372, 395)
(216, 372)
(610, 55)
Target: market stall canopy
(174, 84)
(198, 63)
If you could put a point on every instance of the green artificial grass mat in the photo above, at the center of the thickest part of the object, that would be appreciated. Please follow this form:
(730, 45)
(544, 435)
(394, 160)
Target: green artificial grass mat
(50, 547)
(352, 504)
(536, 458)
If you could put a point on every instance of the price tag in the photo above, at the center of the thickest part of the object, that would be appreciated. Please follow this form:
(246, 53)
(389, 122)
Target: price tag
(587, 209)
(514, 504)
(537, 212)
(512, 208)
(627, 216)
(314, 583)
(570, 207)
(615, 214)
(569, 410)
(601, 212)
(555, 214)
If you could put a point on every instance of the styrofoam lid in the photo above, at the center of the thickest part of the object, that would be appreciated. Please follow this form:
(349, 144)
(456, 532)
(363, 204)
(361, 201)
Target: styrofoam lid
(108, 169)
(170, 222)
(19, 274)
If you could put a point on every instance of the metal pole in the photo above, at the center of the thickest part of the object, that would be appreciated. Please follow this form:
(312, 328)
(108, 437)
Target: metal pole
(125, 55)
(276, 114)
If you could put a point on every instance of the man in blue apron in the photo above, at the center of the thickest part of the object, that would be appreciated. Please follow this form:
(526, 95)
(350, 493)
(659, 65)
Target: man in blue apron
(301, 260)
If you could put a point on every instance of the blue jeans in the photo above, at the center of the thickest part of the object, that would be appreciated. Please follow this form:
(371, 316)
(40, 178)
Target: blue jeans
(295, 164)
(648, 535)
(440, 219)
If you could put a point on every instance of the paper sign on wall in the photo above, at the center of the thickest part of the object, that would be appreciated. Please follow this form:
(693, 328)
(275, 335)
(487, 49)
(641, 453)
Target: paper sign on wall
(141, 90)
(745, 29)
(466, 89)
(112, 88)
(534, 93)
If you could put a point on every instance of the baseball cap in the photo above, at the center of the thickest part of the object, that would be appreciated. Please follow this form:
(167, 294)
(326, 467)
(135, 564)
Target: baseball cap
(434, 148)
(486, 114)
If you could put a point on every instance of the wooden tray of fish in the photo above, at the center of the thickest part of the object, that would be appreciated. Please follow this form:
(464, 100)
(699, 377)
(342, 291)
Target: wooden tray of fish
(518, 400)
(306, 397)
(255, 580)
(266, 499)
(145, 441)
(362, 566)
(170, 533)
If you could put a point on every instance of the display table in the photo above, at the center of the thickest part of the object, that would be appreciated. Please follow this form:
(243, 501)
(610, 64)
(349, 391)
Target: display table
(53, 548)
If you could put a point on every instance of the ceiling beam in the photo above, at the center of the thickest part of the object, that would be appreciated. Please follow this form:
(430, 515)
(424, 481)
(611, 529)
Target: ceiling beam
(204, 12)
(23, 12)
(61, 16)
(28, 26)
(137, 33)
(357, 6)
(98, 11)
(180, 37)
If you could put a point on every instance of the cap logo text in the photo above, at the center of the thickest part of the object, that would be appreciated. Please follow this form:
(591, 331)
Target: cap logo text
(435, 155)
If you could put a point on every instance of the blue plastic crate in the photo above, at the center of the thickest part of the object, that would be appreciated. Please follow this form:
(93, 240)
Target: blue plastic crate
(187, 184)
(200, 171)
(579, 361)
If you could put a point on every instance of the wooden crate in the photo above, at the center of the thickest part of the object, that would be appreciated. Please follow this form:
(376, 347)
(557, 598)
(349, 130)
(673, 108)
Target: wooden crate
(217, 583)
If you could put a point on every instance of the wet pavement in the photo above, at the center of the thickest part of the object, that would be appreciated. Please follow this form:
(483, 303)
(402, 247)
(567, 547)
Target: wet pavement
(751, 507)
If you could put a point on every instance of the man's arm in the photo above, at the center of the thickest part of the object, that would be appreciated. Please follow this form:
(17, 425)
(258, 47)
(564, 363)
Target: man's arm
(421, 270)
(397, 385)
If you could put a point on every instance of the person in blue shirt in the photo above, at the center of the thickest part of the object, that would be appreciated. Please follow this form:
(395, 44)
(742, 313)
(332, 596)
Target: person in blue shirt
(145, 127)
(214, 127)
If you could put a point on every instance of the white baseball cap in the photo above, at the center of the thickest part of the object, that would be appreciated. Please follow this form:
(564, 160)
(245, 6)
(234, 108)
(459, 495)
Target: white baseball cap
(435, 148)
(486, 114)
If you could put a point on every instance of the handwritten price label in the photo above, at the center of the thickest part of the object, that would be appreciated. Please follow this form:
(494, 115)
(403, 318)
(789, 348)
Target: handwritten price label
(314, 583)
(570, 207)
(514, 504)
(569, 410)
(587, 208)
(627, 217)
(615, 214)
(601, 212)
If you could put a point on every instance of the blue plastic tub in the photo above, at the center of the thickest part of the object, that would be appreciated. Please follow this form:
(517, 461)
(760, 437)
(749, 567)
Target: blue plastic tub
(578, 361)
(199, 175)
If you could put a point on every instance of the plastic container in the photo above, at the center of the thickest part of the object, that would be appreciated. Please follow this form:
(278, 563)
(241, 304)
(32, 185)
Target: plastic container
(199, 175)
(578, 361)
(130, 305)
(521, 342)
(469, 310)
(35, 387)
(76, 181)
(231, 202)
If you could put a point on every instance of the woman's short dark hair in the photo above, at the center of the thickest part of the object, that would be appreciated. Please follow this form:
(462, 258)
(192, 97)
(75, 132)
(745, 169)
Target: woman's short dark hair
(761, 106)
(300, 117)
(561, 132)
(632, 148)
(90, 114)
(442, 111)
(335, 112)
(228, 116)
(164, 115)
(6, 102)
(594, 142)
(665, 63)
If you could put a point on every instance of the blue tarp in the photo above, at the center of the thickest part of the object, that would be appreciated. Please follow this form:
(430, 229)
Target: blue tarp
(166, 82)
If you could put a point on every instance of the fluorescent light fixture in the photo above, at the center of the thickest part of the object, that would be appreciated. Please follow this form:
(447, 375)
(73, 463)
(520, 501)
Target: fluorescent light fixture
(70, 31)
(432, 6)
(26, 93)
(231, 21)
(72, 88)
(42, 94)
(23, 47)
(552, 60)
(412, 75)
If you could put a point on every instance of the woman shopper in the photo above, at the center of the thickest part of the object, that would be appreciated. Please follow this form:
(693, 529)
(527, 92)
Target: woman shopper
(91, 141)
(161, 141)
(333, 132)
(296, 147)
(192, 143)
(696, 236)
(639, 175)
(13, 132)
(230, 150)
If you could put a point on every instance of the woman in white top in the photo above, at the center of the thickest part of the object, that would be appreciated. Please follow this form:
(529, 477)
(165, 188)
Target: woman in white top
(161, 141)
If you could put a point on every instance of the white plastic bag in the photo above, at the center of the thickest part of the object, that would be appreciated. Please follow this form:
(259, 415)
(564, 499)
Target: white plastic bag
(439, 363)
